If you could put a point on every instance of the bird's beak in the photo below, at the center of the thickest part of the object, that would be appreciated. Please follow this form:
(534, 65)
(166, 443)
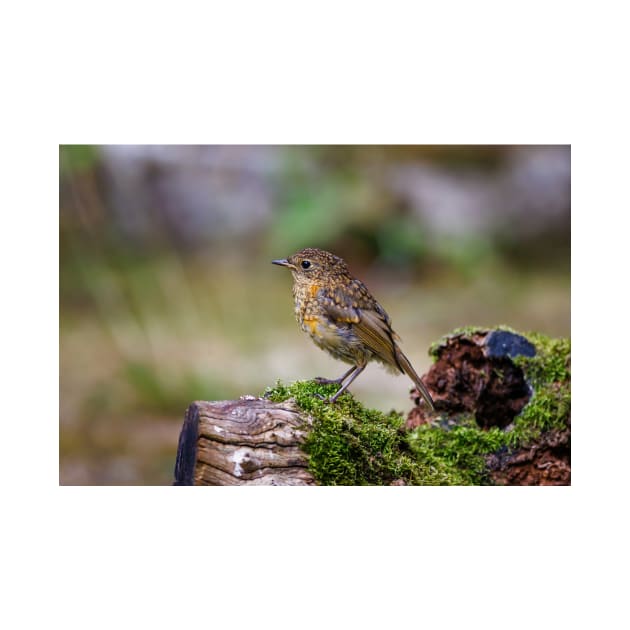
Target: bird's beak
(283, 262)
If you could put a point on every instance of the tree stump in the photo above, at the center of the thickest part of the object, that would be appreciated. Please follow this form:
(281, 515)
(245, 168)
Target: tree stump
(250, 441)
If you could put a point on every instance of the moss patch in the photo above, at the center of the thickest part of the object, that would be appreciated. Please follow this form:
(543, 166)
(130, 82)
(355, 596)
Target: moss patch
(549, 375)
(351, 445)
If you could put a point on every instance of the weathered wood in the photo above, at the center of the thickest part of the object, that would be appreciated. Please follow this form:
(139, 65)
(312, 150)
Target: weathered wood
(187, 448)
(250, 441)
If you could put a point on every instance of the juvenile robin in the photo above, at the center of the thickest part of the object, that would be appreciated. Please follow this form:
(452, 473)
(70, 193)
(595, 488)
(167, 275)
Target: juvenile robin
(341, 316)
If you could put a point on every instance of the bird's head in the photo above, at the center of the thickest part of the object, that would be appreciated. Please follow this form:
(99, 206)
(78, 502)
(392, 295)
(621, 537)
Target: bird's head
(310, 265)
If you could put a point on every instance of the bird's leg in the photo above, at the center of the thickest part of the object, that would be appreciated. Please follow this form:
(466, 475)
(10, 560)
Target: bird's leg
(327, 381)
(355, 372)
(341, 390)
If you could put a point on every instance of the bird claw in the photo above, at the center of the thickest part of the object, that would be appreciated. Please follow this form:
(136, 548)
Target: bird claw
(320, 380)
(328, 399)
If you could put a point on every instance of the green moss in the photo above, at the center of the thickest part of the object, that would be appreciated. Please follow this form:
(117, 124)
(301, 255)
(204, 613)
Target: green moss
(351, 445)
(459, 452)
(549, 375)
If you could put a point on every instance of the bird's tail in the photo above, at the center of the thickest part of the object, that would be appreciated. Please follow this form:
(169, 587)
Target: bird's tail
(407, 368)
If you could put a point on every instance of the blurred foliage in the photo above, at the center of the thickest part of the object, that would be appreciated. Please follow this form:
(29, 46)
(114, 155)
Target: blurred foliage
(156, 392)
(74, 158)
(304, 213)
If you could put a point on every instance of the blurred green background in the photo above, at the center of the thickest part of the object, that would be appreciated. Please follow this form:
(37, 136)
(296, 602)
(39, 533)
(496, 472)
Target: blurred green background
(167, 294)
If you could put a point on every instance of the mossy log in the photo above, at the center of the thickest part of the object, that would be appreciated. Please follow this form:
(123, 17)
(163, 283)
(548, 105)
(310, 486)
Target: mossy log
(251, 441)
(502, 417)
(520, 385)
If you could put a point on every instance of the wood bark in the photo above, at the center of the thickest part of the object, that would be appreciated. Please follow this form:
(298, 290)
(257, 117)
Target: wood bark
(250, 441)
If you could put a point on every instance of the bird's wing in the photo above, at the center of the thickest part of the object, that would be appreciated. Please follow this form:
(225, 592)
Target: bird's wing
(372, 325)
(370, 322)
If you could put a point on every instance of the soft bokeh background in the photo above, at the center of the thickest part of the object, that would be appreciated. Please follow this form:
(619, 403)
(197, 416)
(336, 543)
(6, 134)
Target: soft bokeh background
(167, 294)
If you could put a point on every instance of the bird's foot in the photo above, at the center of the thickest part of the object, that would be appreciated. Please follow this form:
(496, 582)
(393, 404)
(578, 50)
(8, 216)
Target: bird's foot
(329, 399)
(320, 380)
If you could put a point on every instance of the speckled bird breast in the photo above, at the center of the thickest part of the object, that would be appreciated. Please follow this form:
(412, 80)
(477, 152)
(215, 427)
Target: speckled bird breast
(336, 338)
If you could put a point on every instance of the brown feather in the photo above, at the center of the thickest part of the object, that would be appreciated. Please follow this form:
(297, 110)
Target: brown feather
(411, 373)
(377, 336)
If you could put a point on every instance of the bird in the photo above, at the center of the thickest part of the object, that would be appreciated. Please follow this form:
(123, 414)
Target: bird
(341, 316)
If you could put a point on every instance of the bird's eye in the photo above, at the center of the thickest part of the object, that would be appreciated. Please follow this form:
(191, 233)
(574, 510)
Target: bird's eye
(306, 264)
